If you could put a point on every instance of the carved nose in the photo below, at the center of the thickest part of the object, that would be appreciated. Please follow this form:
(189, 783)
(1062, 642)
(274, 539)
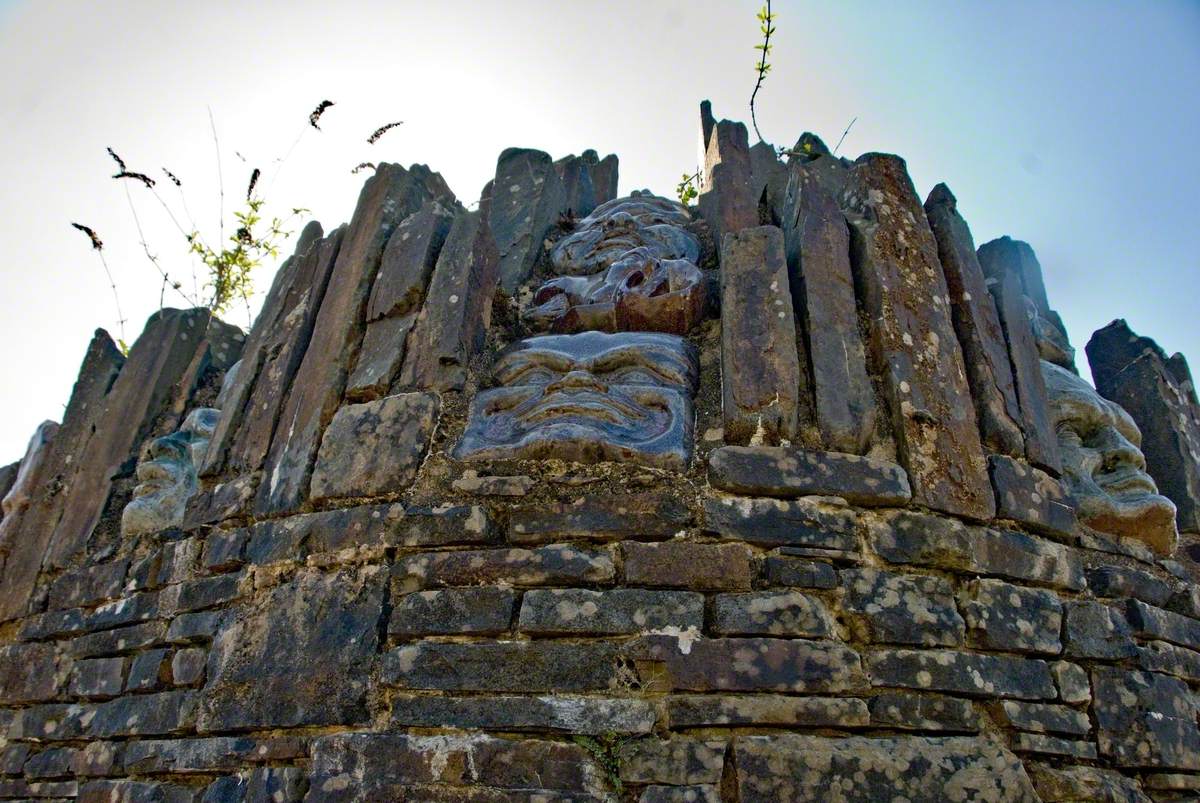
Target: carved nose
(577, 380)
(1119, 452)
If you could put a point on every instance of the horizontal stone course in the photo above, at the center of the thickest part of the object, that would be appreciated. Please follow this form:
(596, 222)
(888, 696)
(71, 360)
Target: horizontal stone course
(1155, 623)
(1003, 616)
(480, 610)
(678, 564)
(906, 711)
(784, 570)
(503, 666)
(559, 713)
(903, 609)
(620, 611)
(557, 564)
(1043, 718)
(771, 613)
(970, 674)
(776, 522)
(676, 761)
(1096, 630)
(701, 710)
(638, 517)
(790, 472)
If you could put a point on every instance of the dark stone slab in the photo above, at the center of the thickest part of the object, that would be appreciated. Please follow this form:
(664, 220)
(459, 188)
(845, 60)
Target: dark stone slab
(407, 261)
(1159, 656)
(187, 666)
(968, 674)
(1145, 720)
(1095, 630)
(1072, 681)
(298, 656)
(503, 666)
(666, 663)
(381, 357)
(225, 500)
(375, 448)
(1157, 392)
(30, 673)
(376, 766)
(817, 244)
(578, 611)
(1124, 581)
(940, 543)
(274, 349)
(214, 754)
(554, 713)
(457, 310)
(209, 592)
(98, 677)
(676, 761)
(1002, 616)
(902, 609)
(1002, 261)
(805, 768)
(696, 567)
(782, 570)
(1042, 744)
(771, 613)
(600, 517)
(149, 671)
(557, 564)
(527, 198)
(786, 471)
(1031, 497)
(1150, 622)
(1043, 718)
(760, 369)
(161, 714)
(701, 710)
(911, 340)
(1072, 783)
(906, 711)
(389, 196)
(772, 522)
(727, 199)
(588, 181)
(453, 611)
(977, 324)
(225, 550)
(119, 640)
(88, 586)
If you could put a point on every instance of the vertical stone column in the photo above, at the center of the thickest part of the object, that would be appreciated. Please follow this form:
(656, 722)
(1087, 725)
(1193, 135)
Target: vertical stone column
(527, 198)
(727, 199)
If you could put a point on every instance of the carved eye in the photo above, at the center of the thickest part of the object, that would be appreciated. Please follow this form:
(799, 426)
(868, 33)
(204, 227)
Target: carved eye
(634, 279)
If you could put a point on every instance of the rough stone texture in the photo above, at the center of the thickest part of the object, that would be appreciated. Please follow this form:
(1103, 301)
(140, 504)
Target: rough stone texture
(375, 448)
(899, 609)
(597, 517)
(1135, 373)
(985, 351)
(408, 260)
(274, 349)
(789, 471)
(1078, 783)
(1043, 718)
(922, 540)
(381, 357)
(676, 761)
(1030, 496)
(301, 656)
(1145, 720)
(488, 609)
(389, 196)
(817, 245)
(689, 711)
(1124, 581)
(912, 341)
(30, 673)
(587, 180)
(771, 613)
(1002, 616)
(783, 570)
(760, 370)
(702, 567)
(503, 666)
(457, 309)
(1095, 630)
(560, 713)
(1150, 622)
(556, 564)
(527, 198)
(809, 768)
(969, 674)
(905, 711)
(603, 613)
(1002, 261)
(771, 522)
(727, 199)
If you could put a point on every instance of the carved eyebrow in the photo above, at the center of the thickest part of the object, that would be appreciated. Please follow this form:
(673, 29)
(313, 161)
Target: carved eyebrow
(518, 362)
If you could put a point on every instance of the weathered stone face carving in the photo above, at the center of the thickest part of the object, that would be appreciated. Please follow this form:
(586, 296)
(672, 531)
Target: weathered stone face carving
(640, 220)
(588, 397)
(639, 292)
(168, 479)
(1103, 466)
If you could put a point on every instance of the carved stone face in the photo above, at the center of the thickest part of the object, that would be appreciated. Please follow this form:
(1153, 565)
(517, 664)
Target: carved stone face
(640, 220)
(168, 478)
(1103, 466)
(639, 292)
(588, 397)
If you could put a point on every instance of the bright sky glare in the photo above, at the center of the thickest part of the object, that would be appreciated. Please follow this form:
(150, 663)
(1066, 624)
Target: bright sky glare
(1072, 125)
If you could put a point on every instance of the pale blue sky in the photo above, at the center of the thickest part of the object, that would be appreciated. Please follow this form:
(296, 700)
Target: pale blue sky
(1073, 125)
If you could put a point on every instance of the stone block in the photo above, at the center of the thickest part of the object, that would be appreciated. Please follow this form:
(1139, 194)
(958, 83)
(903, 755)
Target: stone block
(1074, 783)
(771, 613)
(510, 485)
(693, 793)
(1145, 720)
(1031, 497)
(124, 791)
(226, 500)
(786, 471)
(600, 517)
(453, 611)
(745, 664)
(209, 592)
(193, 628)
(1043, 718)
(1042, 744)
(1159, 656)
(707, 710)
(578, 611)
(213, 754)
(408, 260)
(168, 712)
(760, 369)
(923, 540)
(381, 357)
(88, 586)
(782, 570)
(1072, 681)
(969, 674)
(806, 768)
(904, 711)
(1002, 616)
(1150, 622)
(1125, 582)
(225, 550)
(149, 671)
(53, 763)
(774, 522)
(555, 713)
(187, 666)
(1095, 630)
(678, 564)
(375, 448)
(676, 761)
(12, 759)
(557, 564)
(588, 181)
(300, 655)
(118, 640)
(527, 198)
(503, 666)
(31, 673)
(727, 199)
(902, 609)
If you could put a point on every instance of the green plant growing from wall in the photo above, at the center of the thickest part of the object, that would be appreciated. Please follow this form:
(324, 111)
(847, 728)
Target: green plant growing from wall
(766, 22)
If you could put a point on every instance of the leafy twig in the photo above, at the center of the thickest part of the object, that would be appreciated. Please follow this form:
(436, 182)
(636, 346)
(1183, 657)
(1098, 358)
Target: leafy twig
(766, 20)
(317, 112)
(362, 166)
(253, 181)
(686, 189)
(383, 129)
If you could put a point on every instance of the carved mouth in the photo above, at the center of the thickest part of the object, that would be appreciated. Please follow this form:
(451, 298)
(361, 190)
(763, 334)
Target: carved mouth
(581, 405)
(1127, 482)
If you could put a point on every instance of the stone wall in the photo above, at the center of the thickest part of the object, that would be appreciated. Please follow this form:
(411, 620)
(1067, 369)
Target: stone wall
(830, 546)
